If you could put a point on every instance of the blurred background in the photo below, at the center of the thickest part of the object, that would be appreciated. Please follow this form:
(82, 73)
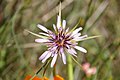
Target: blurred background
(19, 53)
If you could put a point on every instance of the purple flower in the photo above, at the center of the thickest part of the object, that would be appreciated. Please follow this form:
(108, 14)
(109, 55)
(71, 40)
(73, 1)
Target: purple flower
(60, 41)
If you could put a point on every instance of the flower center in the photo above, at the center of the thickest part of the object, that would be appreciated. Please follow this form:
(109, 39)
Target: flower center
(60, 40)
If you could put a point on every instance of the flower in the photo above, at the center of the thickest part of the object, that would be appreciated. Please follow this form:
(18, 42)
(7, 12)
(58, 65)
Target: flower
(88, 71)
(28, 77)
(60, 41)
(56, 77)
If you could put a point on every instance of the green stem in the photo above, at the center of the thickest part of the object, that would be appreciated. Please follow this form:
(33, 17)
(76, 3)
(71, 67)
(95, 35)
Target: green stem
(70, 68)
(54, 70)
(38, 71)
(44, 66)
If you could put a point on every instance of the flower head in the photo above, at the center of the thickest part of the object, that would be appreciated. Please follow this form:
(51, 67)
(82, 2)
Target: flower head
(88, 71)
(56, 77)
(60, 41)
(28, 77)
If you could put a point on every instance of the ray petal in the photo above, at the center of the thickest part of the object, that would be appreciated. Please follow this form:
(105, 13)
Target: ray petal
(44, 34)
(67, 30)
(81, 49)
(76, 35)
(64, 24)
(63, 55)
(42, 40)
(71, 52)
(46, 57)
(58, 22)
(43, 55)
(54, 27)
(54, 60)
(80, 38)
(76, 31)
(42, 28)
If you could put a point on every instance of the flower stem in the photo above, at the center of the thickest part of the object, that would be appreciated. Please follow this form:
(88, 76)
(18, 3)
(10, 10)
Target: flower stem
(70, 68)
(54, 70)
(45, 65)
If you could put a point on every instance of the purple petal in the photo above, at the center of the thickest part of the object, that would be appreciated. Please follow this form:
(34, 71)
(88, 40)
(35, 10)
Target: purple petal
(46, 57)
(54, 48)
(71, 52)
(76, 35)
(63, 55)
(42, 28)
(80, 38)
(44, 34)
(64, 24)
(54, 51)
(52, 34)
(58, 22)
(76, 31)
(41, 40)
(53, 54)
(69, 42)
(43, 55)
(54, 60)
(67, 30)
(67, 46)
(54, 27)
(81, 49)
(83, 36)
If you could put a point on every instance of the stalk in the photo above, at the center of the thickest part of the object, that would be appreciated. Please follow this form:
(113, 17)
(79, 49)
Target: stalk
(44, 66)
(70, 68)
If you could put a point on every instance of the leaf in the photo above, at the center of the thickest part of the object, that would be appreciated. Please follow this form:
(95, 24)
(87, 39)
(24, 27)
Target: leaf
(97, 14)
